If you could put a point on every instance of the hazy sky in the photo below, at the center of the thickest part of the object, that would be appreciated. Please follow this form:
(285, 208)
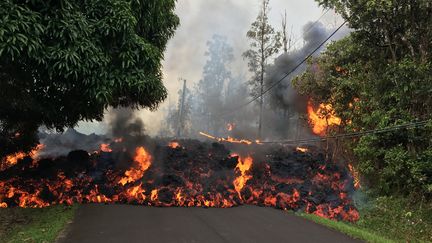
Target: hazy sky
(199, 21)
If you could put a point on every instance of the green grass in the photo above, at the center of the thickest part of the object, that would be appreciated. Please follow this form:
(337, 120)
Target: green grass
(387, 219)
(348, 229)
(33, 225)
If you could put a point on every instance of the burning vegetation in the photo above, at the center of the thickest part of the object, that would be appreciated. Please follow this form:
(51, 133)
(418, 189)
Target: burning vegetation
(185, 173)
(322, 118)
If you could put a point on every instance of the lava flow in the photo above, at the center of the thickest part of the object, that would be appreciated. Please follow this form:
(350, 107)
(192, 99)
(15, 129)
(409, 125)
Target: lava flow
(194, 174)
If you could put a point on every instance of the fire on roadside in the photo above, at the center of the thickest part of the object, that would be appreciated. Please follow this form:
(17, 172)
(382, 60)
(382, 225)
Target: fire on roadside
(173, 145)
(302, 150)
(230, 139)
(322, 118)
(198, 176)
(11, 160)
(356, 176)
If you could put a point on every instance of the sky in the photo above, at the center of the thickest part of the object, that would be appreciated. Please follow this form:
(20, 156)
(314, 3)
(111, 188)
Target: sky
(199, 21)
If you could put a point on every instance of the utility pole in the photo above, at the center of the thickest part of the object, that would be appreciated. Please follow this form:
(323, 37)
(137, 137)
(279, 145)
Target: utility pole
(181, 108)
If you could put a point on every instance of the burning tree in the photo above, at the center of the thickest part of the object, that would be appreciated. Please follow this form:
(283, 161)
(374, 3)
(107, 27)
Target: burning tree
(62, 62)
(265, 42)
(376, 78)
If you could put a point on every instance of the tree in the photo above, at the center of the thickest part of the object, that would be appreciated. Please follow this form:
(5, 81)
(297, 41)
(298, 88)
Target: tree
(287, 39)
(176, 120)
(374, 84)
(265, 43)
(399, 26)
(216, 75)
(66, 61)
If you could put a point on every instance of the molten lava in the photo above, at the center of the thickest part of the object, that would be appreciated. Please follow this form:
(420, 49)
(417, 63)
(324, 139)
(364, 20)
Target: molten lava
(193, 175)
(243, 166)
(143, 162)
(322, 118)
(105, 148)
(302, 150)
(13, 159)
(174, 145)
(230, 139)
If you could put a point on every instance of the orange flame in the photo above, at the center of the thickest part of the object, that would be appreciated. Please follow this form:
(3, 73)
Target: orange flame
(302, 150)
(154, 195)
(136, 193)
(322, 118)
(230, 139)
(243, 166)
(173, 145)
(105, 148)
(143, 162)
(356, 176)
(13, 159)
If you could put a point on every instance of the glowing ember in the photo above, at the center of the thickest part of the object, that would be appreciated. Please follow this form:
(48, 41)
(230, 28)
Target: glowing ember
(230, 126)
(13, 159)
(243, 166)
(143, 162)
(174, 145)
(105, 148)
(322, 118)
(154, 195)
(230, 139)
(302, 150)
(356, 176)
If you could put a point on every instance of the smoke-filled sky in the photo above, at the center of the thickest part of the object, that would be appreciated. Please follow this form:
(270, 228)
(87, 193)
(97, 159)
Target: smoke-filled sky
(200, 20)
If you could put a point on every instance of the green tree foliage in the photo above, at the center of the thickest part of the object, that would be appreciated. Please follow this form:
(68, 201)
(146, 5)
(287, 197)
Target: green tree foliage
(402, 27)
(66, 61)
(374, 82)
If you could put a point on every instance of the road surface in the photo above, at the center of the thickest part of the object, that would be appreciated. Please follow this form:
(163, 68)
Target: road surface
(248, 224)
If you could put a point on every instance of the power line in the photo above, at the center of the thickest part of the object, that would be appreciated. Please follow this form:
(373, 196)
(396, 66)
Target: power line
(286, 75)
(353, 134)
(310, 28)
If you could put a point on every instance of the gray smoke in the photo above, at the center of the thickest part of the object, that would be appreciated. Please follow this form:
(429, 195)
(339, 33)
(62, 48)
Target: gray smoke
(286, 105)
(60, 144)
(122, 123)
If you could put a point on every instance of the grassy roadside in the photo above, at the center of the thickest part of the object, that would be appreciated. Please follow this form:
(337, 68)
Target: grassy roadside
(349, 229)
(387, 219)
(33, 225)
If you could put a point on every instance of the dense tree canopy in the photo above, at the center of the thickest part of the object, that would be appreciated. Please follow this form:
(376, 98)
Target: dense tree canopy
(380, 76)
(66, 61)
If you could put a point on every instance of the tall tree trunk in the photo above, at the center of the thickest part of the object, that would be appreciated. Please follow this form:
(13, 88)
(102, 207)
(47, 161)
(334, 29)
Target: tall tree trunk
(263, 57)
(261, 101)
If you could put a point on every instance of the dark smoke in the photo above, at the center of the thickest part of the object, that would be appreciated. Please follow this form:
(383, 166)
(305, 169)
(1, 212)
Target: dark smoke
(123, 122)
(284, 118)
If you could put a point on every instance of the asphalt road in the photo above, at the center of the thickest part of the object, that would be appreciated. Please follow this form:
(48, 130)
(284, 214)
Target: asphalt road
(248, 224)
